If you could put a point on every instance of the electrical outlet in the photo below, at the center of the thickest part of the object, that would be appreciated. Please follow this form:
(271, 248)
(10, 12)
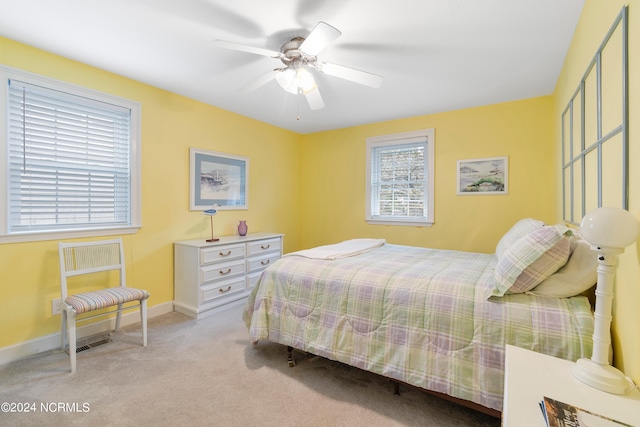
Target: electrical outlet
(56, 306)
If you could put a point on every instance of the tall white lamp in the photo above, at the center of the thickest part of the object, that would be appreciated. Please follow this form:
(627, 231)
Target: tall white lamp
(609, 231)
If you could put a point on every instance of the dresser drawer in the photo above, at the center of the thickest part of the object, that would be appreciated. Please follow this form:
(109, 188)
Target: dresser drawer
(220, 253)
(222, 270)
(260, 263)
(263, 246)
(222, 289)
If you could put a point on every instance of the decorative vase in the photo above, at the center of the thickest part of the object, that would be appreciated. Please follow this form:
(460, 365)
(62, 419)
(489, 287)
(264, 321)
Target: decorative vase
(243, 228)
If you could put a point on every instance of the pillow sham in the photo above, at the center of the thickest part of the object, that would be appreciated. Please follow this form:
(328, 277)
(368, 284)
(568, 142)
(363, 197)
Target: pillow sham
(531, 259)
(519, 230)
(575, 277)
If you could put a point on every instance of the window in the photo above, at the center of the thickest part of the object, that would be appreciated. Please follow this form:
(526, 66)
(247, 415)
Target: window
(71, 160)
(400, 178)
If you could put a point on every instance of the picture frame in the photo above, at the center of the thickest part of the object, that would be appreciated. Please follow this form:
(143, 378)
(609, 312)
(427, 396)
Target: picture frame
(218, 179)
(484, 176)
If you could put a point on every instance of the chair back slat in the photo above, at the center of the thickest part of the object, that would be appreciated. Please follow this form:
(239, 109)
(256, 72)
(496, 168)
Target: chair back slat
(91, 257)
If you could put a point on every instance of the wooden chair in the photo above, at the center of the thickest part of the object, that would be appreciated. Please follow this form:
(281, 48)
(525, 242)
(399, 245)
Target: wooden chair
(91, 258)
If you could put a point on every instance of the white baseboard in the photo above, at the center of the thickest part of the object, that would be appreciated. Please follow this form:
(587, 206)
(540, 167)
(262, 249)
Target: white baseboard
(51, 342)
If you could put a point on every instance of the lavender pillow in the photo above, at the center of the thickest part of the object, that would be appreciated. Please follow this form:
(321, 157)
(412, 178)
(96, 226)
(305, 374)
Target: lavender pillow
(531, 259)
(519, 230)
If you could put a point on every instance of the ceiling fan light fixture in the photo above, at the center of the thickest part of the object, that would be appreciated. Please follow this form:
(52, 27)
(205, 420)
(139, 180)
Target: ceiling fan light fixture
(286, 80)
(304, 80)
(296, 81)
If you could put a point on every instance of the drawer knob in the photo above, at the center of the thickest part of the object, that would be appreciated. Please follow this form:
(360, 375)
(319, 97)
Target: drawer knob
(264, 247)
(225, 254)
(265, 262)
(222, 273)
(222, 291)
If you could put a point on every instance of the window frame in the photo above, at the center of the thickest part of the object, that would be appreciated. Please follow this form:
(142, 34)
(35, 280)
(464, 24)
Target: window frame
(9, 73)
(397, 140)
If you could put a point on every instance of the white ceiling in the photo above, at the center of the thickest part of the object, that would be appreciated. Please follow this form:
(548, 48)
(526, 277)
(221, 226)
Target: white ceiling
(434, 55)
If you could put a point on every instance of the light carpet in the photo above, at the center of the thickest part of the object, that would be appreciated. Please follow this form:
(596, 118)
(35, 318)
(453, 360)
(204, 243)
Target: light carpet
(206, 373)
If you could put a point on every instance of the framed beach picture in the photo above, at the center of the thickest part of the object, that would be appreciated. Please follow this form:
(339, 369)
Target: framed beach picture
(483, 176)
(218, 179)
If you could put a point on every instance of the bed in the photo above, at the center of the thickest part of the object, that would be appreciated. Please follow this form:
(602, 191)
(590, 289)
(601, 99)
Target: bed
(435, 319)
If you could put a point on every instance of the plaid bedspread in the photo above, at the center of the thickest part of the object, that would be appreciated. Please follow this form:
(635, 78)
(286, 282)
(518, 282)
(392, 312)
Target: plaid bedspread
(417, 315)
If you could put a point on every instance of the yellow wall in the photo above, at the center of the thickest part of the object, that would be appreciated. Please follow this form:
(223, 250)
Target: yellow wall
(333, 179)
(170, 125)
(595, 21)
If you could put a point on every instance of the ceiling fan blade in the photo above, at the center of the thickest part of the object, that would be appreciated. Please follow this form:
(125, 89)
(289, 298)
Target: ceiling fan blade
(314, 99)
(320, 37)
(351, 74)
(245, 48)
(260, 81)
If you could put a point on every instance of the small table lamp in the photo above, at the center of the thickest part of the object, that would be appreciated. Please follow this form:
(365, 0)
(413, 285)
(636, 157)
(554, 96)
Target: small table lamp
(610, 231)
(211, 213)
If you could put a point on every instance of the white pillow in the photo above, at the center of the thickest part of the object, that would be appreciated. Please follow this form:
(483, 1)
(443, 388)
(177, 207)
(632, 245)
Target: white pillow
(578, 274)
(519, 230)
(531, 259)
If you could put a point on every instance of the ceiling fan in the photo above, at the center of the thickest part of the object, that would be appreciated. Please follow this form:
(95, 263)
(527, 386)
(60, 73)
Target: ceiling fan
(299, 55)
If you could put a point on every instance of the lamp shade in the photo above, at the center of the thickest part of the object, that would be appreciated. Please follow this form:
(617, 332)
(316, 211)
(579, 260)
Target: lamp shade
(305, 80)
(609, 227)
(286, 80)
(295, 81)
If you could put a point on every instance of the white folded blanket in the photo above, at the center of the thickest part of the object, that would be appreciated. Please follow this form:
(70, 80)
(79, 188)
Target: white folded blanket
(344, 249)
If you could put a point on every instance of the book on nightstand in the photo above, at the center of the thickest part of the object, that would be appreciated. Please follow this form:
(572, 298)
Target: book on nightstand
(560, 414)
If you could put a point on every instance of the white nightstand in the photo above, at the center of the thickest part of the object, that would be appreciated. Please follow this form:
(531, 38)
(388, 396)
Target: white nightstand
(529, 376)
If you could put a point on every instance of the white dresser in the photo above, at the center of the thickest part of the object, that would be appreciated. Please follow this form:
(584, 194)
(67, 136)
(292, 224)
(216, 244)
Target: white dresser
(208, 275)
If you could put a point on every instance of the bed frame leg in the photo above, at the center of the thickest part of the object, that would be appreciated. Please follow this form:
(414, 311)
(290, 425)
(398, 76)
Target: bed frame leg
(290, 360)
(396, 387)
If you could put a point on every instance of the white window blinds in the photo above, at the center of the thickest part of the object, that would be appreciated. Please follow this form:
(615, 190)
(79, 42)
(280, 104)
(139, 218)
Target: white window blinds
(398, 179)
(68, 161)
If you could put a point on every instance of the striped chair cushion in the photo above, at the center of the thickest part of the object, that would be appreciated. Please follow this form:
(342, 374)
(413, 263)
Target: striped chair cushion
(90, 301)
